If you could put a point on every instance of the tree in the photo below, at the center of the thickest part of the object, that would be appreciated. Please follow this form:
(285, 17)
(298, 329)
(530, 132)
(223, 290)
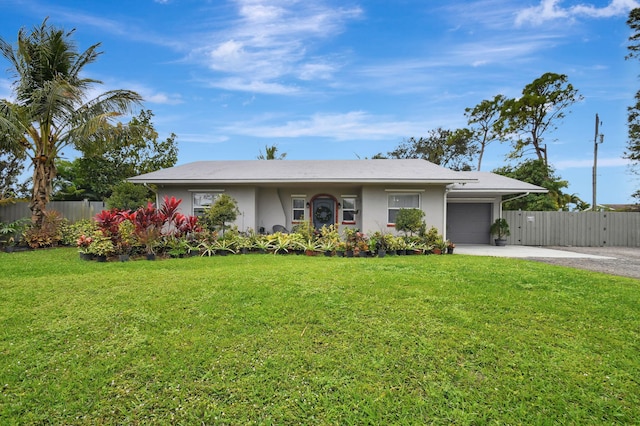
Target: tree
(225, 209)
(633, 112)
(484, 120)
(11, 165)
(97, 172)
(128, 196)
(538, 173)
(537, 111)
(65, 186)
(51, 111)
(409, 220)
(452, 149)
(270, 153)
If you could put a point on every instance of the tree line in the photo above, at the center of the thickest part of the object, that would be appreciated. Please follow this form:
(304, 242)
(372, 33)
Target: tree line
(524, 123)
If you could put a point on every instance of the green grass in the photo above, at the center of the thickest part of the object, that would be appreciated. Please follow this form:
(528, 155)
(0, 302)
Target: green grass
(263, 339)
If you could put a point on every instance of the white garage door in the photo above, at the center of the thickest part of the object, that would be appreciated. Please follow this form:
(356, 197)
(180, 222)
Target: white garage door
(468, 223)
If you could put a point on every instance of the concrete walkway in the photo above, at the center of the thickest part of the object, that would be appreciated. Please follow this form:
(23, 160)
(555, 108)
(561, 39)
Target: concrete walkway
(522, 252)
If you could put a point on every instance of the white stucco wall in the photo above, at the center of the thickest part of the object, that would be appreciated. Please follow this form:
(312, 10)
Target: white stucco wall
(286, 195)
(270, 210)
(375, 206)
(245, 196)
(267, 206)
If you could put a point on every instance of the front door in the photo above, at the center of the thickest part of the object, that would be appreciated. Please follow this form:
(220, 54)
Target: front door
(323, 212)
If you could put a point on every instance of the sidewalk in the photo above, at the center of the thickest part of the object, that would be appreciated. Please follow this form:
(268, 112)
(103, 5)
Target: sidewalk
(522, 252)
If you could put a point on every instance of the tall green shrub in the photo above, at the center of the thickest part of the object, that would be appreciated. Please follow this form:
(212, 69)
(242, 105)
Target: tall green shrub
(224, 210)
(409, 220)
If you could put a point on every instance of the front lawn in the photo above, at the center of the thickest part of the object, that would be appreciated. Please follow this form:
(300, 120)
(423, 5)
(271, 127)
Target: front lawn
(273, 339)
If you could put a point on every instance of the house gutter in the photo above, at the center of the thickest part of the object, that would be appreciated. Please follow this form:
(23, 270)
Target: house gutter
(447, 189)
(152, 190)
(511, 199)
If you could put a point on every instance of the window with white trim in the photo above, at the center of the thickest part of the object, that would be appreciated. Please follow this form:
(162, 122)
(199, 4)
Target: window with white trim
(202, 200)
(401, 201)
(298, 207)
(349, 210)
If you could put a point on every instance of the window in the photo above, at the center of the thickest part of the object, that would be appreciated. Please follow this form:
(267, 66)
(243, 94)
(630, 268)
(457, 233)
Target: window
(401, 201)
(202, 200)
(349, 210)
(298, 208)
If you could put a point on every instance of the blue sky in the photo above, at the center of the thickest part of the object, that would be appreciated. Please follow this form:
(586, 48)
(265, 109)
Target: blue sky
(329, 79)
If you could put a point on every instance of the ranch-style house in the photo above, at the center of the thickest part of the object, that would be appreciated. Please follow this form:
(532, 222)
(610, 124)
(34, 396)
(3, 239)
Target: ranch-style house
(363, 194)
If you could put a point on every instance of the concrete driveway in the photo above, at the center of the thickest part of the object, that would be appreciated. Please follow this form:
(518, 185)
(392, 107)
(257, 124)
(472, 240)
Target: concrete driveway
(622, 261)
(523, 252)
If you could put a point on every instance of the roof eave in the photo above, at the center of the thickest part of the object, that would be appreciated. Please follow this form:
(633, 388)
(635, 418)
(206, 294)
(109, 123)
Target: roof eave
(499, 191)
(310, 181)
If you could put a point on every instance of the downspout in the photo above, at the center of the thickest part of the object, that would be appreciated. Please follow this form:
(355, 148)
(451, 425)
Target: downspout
(510, 199)
(155, 192)
(444, 211)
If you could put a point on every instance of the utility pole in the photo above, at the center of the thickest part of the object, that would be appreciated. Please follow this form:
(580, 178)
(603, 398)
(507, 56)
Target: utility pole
(595, 160)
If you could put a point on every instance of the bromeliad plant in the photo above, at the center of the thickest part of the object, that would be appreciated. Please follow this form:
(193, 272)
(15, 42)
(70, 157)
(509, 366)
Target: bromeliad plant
(329, 237)
(281, 243)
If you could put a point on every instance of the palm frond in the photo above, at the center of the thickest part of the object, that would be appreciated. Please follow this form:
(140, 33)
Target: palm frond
(87, 57)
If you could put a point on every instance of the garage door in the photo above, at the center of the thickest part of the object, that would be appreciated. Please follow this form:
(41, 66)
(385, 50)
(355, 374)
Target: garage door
(468, 223)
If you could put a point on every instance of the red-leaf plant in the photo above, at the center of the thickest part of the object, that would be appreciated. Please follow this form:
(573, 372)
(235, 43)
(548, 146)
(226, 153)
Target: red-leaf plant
(186, 225)
(150, 223)
(108, 221)
(169, 208)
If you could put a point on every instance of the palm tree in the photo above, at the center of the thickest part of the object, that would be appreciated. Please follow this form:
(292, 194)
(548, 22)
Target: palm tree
(51, 110)
(270, 153)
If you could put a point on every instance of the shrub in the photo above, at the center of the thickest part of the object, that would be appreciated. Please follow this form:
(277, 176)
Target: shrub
(10, 233)
(100, 245)
(431, 237)
(224, 210)
(409, 220)
(128, 196)
(49, 234)
(304, 229)
(500, 228)
(72, 231)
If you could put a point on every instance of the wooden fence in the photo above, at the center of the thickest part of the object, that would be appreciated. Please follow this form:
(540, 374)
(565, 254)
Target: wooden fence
(71, 210)
(578, 229)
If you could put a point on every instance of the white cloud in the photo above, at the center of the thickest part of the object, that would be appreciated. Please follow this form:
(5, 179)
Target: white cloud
(615, 8)
(201, 138)
(162, 98)
(128, 29)
(488, 51)
(149, 94)
(316, 71)
(459, 63)
(271, 42)
(354, 125)
(253, 86)
(551, 9)
(468, 16)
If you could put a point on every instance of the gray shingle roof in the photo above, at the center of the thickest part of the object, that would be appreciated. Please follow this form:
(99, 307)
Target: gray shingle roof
(337, 171)
(306, 171)
(487, 182)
